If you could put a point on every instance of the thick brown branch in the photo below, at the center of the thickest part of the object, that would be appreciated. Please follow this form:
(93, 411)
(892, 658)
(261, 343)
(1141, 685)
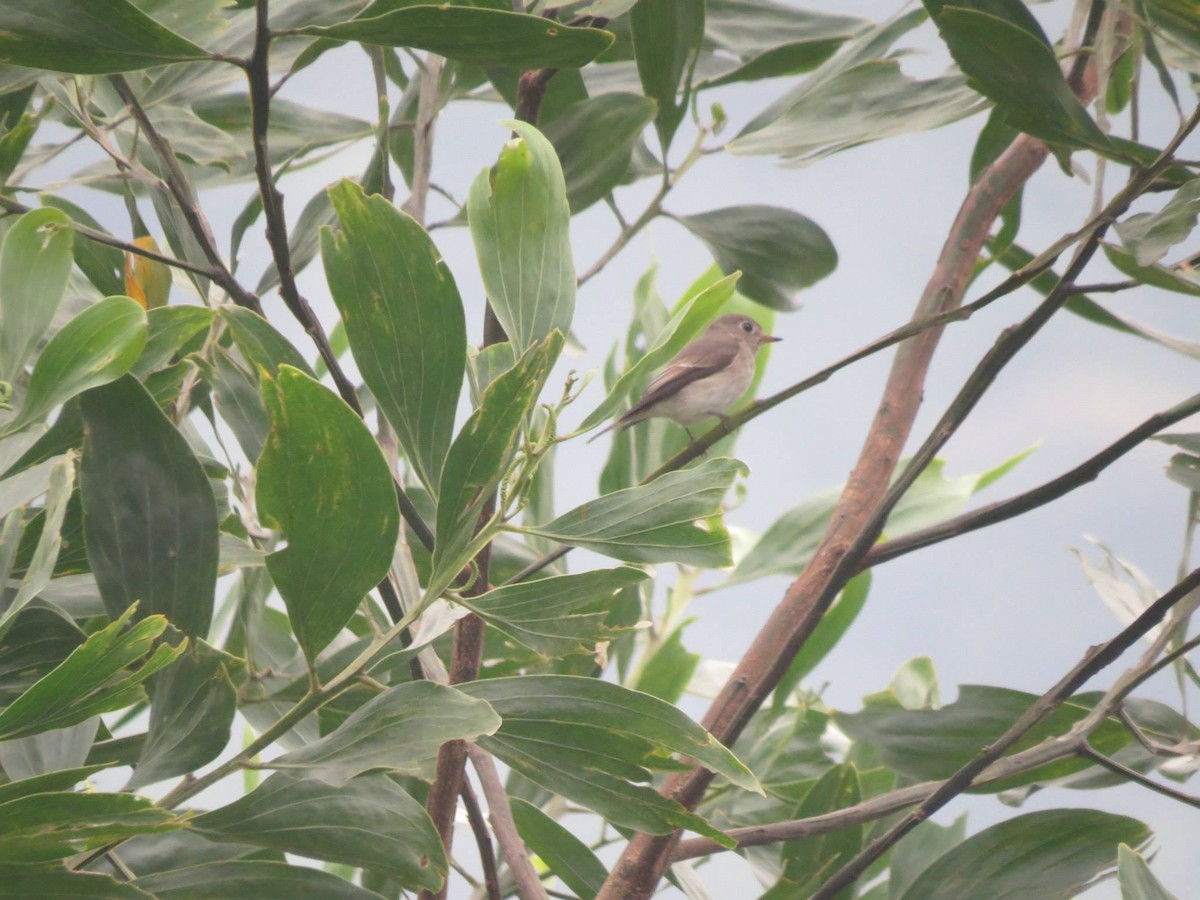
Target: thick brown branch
(529, 886)
(866, 500)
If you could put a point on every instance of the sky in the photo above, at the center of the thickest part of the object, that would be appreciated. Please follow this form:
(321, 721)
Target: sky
(1005, 606)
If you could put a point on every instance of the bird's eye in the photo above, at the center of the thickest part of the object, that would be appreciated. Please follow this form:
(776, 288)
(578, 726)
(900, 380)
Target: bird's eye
(747, 327)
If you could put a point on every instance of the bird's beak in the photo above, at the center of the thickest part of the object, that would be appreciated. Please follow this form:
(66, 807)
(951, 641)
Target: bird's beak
(769, 339)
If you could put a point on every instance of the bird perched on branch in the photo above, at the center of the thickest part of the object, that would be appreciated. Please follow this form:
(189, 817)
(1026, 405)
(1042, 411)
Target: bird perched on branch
(707, 376)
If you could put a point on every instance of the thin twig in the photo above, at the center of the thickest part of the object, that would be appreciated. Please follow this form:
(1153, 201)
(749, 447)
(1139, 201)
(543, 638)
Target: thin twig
(483, 840)
(529, 886)
(1136, 777)
(177, 183)
(1002, 510)
(383, 130)
(428, 104)
(103, 237)
(258, 78)
(1096, 659)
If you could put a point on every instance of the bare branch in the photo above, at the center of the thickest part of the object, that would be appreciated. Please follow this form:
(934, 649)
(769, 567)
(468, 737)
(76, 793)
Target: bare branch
(483, 840)
(529, 886)
(177, 183)
(870, 493)
(1094, 660)
(1086, 471)
(103, 237)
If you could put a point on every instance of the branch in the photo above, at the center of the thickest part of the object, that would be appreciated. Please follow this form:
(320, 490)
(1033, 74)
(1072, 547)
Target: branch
(1086, 471)
(1136, 777)
(862, 510)
(699, 447)
(427, 110)
(103, 237)
(483, 840)
(177, 183)
(1096, 659)
(258, 77)
(529, 886)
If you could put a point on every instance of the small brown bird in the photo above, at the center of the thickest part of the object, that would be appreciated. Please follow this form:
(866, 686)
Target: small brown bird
(707, 377)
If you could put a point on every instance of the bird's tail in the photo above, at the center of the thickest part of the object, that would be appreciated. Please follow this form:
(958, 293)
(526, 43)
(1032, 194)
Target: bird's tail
(620, 423)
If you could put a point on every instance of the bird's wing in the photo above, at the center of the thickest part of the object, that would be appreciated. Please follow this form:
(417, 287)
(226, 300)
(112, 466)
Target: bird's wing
(694, 362)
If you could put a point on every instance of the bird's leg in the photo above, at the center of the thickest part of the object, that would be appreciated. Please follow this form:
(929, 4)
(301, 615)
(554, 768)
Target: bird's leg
(724, 421)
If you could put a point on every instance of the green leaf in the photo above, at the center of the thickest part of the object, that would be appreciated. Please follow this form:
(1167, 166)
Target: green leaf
(808, 863)
(45, 555)
(932, 744)
(1180, 281)
(239, 401)
(771, 39)
(788, 545)
(590, 740)
(520, 225)
(96, 347)
(555, 616)
(481, 453)
(192, 705)
(37, 641)
(150, 518)
(170, 328)
(1136, 880)
(50, 751)
(859, 95)
(666, 672)
(322, 474)
(398, 731)
(667, 35)
(41, 828)
(1007, 58)
(97, 677)
(260, 343)
(35, 263)
(59, 883)
(657, 522)
(567, 856)
(62, 780)
(1052, 853)
(103, 265)
(87, 37)
(404, 318)
(693, 316)
(245, 879)
(919, 849)
(471, 34)
(594, 140)
(779, 252)
(317, 820)
(1148, 236)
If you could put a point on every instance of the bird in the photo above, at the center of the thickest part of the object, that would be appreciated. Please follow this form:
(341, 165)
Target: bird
(704, 379)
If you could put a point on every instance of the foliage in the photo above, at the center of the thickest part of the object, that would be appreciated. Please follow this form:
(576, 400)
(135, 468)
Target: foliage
(209, 529)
